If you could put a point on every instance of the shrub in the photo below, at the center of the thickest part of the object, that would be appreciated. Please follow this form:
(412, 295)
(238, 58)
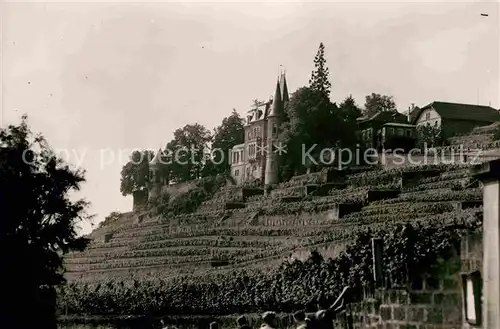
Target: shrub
(410, 251)
(190, 201)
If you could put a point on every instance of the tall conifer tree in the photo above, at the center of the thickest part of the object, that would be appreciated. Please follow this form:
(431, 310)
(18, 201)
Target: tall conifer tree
(319, 77)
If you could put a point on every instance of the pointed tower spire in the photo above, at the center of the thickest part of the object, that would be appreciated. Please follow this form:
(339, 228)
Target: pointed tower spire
(284, 87)
(157, 158)
(277, 102)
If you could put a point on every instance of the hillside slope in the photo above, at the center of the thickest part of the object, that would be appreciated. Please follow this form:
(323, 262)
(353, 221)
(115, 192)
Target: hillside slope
(311, 212)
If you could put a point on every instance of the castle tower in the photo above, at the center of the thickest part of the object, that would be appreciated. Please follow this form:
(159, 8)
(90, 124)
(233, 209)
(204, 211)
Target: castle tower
(274, 120)
(155, 179)
(284, 89)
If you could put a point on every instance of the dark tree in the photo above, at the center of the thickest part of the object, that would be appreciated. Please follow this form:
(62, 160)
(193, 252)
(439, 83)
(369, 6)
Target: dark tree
(312, 119)
(378, 103)
(135, 173)
(187, 152)
(431, 136)
(37, 226)
(230, 133)
(349, 112)
(111, 218)
(319, 77)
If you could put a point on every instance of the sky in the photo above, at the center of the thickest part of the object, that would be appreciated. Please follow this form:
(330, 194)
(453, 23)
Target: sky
(102, 79)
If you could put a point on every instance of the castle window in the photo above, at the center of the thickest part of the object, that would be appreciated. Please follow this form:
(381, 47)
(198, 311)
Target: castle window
(257, 132)
(275, 129)
(251, 150)
(400, 132)
(236, 172)
(408, 133)
(249, 134)
(427, 116)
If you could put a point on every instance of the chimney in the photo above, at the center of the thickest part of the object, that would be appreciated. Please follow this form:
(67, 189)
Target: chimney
(411, 108)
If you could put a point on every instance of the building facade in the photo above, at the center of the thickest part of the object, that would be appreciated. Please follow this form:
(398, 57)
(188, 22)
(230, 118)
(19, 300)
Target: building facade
(256, 159)
(386, 130)
(455, 118)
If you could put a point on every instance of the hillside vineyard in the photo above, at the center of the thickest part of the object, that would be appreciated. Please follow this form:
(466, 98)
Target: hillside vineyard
(324, 211)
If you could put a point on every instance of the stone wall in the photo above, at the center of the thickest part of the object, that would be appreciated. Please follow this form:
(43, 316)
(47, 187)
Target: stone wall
(327, 250)
(471, 260)
(140, 198)
(175, 190)
(471, 256)
(431, 304)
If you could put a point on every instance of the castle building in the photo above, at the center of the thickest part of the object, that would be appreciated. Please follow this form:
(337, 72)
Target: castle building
(257, 158)
(156, 180)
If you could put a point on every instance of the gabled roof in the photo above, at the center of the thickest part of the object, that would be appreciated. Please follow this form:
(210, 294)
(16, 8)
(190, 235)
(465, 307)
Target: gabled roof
(277, 102)
(284, 88)
(459, 111)
(273, 107)
(386, 116)
(414, 113)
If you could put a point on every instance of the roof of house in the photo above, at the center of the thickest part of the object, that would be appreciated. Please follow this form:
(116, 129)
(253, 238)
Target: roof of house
(274, 106)
(381, 116)
(395, 124)
(414, 113)
(462, 111)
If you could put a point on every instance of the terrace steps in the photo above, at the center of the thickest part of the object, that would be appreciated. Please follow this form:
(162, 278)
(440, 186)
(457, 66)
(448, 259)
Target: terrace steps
(269, 230)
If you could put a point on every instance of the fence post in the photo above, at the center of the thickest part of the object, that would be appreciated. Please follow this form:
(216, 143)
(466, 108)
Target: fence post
(489, 174)
(377, 247)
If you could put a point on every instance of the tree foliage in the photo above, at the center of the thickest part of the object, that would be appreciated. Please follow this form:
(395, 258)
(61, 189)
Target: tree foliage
(378, 103)
(410, 251)
(312, 119)
(429, 135)
(319, 77)
(111, 218)
(189, 201)
(496, 133)
(135, 173)
(349, 111)
(231, 132)
(37, 225)
(187, 152)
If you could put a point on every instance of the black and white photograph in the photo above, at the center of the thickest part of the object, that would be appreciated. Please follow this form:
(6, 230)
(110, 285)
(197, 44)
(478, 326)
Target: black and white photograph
(250, 164)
